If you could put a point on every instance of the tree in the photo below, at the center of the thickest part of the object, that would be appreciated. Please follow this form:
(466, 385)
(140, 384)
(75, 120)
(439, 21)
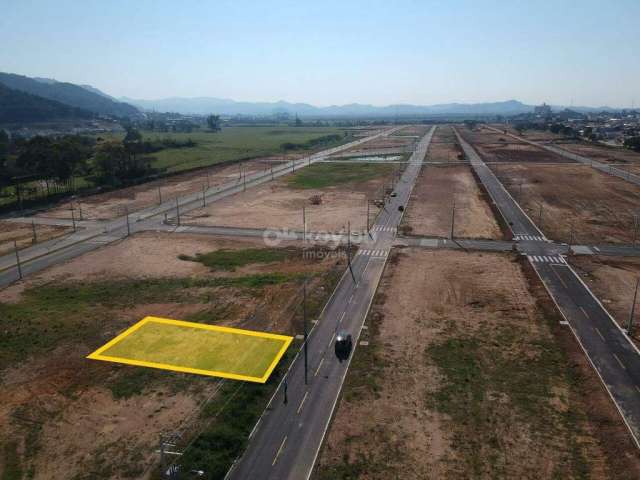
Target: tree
(213, 122)
(133, 142)
(632, 143)
(4, 150)
(115, 165)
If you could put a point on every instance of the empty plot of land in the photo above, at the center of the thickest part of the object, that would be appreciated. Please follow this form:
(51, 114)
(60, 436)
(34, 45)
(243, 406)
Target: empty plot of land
(418, 130)
(497, 147)
(110, 205)
(444, 146)
(625, 159)
(389, 141)
(613, 281)
(69, 417)
(595, 206)
(465, 376)
(190, 347)
(533, 135)
(333, 195)
(22, 234)
(429, 212)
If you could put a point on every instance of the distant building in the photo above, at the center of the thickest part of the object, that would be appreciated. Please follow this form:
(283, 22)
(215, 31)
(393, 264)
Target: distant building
(543, 110)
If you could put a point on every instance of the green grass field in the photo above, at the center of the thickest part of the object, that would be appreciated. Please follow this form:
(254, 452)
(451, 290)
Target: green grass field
(322, 175)
(233, 143)
(197, 348)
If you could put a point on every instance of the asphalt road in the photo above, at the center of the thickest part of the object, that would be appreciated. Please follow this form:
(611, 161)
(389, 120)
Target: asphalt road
(612, 354)
(287, 439)
(95, 235)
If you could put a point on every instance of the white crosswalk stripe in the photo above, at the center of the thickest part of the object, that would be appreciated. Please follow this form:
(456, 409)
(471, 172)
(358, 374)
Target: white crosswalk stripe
(380, 228)
(373, 253)
(535, 238)
(553, 259)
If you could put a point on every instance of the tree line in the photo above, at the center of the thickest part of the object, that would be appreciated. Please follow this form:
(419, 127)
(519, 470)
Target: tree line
(54, 162)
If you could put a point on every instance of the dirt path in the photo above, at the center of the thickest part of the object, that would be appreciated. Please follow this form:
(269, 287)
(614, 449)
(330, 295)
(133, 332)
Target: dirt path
(465, 376)
(22, 234)
(430, 206)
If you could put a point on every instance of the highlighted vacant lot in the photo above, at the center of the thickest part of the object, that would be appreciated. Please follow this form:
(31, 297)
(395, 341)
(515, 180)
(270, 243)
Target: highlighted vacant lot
(197, 348)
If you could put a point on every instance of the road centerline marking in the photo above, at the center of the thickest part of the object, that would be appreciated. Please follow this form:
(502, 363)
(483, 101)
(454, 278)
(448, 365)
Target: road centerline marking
(600, 333)
(317, 370)
(275, 459)
(302, 402)
(619, 361)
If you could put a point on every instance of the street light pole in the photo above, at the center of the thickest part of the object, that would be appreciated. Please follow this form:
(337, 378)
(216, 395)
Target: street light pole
(633, 308)
(304, 316)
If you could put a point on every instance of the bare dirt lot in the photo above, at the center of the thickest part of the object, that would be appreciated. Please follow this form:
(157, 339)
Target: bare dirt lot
(444, 146)
(468, 375)
(113, 204)
(390, 141)
(22, 234)
(278, 204)
(65, 417)
(613, 281)
(418, 130)
(533, 135)
(430, 205)
(623, 158)
(496, 147)
(597, 207)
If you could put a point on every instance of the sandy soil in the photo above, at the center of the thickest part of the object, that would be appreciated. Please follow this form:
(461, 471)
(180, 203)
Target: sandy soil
(113, 204)
(598, 207)
(623, 158)
(60, 405)
(497, 147)
(429, 299)
(533, 135)
(444, 146)
(390, 141)
(277, 206)
(22, 234)
(429, 209)
(613, 281)
(419, 130)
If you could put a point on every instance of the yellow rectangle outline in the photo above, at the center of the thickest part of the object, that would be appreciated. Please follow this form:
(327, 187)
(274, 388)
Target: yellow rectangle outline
(97, 355)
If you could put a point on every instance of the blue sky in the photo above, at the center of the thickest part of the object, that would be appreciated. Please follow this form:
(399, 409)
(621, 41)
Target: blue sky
(333, 52)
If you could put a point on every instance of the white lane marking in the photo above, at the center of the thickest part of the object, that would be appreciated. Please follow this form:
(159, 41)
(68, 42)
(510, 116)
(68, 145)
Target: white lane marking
(600, 333)
(619, 361)
(584, 312)
(342, 316)
(350, 298)
(319, 365)
(275, 459)
(303, 399)
(332, 337)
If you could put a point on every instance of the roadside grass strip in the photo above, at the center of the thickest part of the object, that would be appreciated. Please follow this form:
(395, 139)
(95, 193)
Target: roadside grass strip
(197, 348)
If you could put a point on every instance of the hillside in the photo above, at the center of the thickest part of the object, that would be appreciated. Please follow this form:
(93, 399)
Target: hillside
(68, 94)
(20, 107)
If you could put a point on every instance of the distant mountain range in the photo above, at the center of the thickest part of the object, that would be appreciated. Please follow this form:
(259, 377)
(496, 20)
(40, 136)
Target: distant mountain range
(222, 106)
(81, 97)
(85, 100)
(17, 107)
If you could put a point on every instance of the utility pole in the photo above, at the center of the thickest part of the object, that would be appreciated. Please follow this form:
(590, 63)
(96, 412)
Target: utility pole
(204, 197)
(540, 216)
(453, 217)
(304, 317)
(368, 201)
(272, 171)
(15, 247)
(73, 220)
(178, 210)
(126, 209)
(304, 225)
(244, 180)
(349, 251)
(633, 308)
(159, 196)
(80, 210)
(285, 400)
(635, 230)
(33, 228)
(208, 182)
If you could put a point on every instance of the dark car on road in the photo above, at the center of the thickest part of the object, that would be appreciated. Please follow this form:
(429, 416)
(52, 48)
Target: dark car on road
(344, 345)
